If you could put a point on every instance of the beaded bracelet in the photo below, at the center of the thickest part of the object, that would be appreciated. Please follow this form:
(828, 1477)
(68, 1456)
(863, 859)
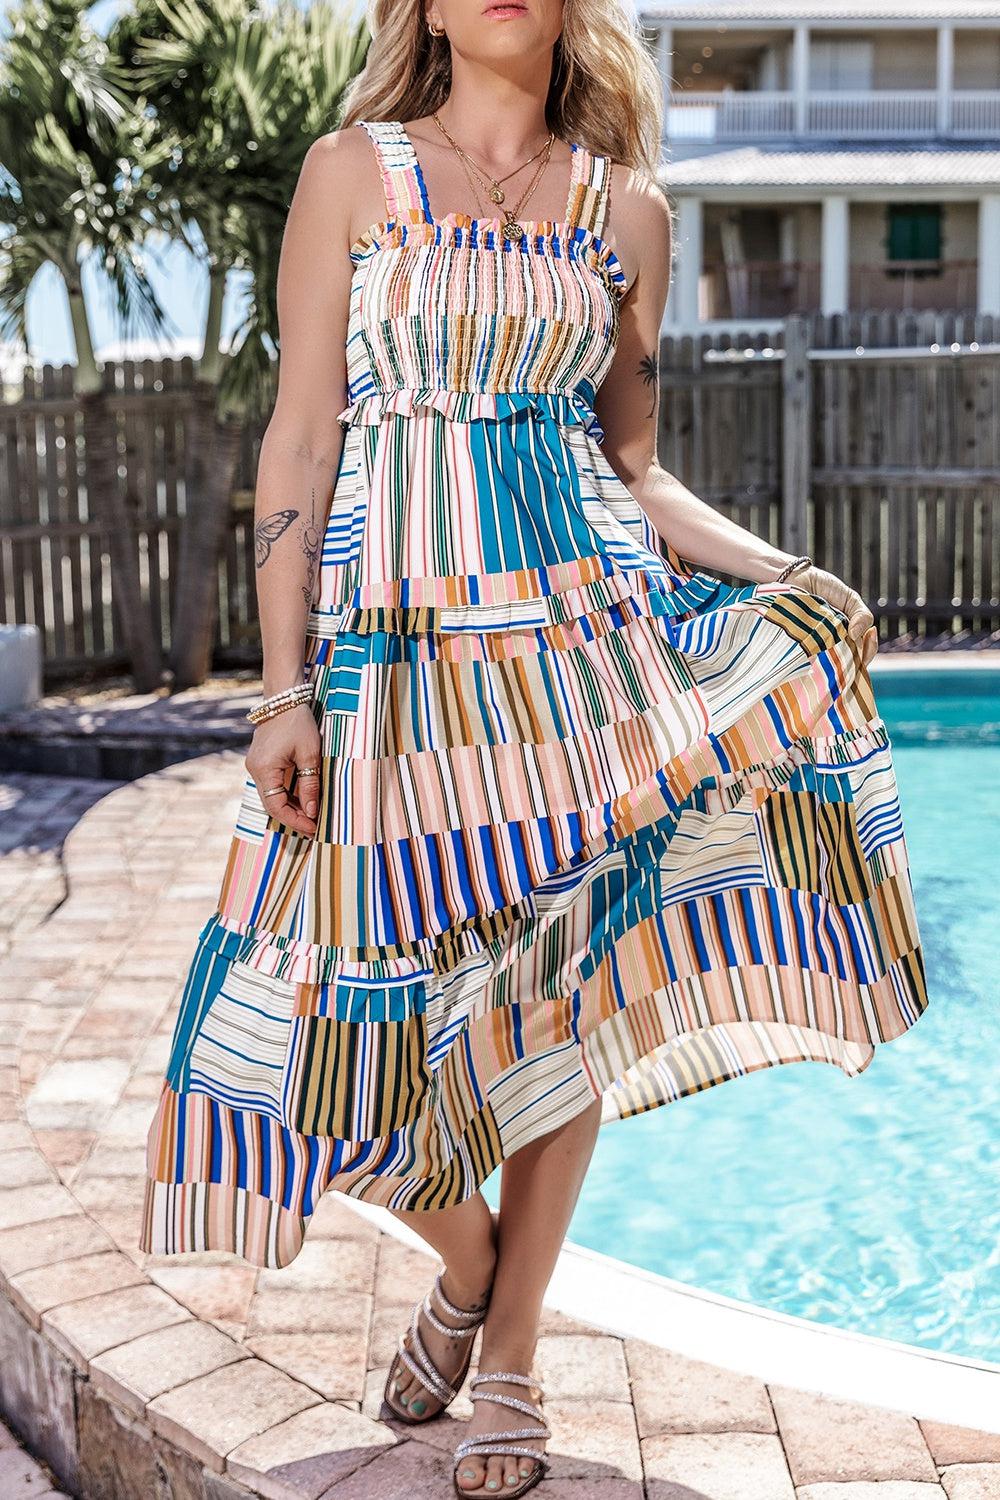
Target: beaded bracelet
(793, 567)
(277, 703)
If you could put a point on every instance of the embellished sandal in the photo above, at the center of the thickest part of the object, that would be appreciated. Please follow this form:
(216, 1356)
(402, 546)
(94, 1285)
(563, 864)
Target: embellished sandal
(505, 1442)
(418, 1361)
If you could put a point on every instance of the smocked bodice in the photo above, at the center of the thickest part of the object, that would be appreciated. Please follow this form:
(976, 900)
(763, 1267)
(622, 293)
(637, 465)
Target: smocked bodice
(454, 314)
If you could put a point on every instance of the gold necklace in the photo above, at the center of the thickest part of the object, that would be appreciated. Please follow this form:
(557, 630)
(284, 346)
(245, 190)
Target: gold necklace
(494, 189)
(512, 228)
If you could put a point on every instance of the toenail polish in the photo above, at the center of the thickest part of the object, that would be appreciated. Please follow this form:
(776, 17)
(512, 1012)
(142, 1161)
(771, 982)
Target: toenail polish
(403, 1400)
(468, 1474)
(492, 1484)
(419, 1407)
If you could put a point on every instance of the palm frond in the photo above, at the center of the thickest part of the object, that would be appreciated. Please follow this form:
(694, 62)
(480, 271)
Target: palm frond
(20, 262)
(80, 159)
(260, 82)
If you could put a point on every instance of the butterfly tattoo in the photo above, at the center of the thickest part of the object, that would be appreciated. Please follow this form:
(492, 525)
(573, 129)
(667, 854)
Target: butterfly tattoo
(267, 532)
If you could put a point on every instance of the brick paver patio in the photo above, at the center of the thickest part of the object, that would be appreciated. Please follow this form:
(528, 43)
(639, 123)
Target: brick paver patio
(201, 1378)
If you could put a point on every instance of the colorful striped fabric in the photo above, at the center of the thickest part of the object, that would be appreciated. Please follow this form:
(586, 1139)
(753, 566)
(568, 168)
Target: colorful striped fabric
(593, 823)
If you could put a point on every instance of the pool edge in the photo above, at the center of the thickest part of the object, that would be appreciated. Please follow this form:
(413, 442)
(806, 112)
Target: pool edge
(777, 1348)
(986, 660)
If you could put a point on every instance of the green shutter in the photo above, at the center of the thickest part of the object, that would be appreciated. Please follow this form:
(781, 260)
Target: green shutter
(914, 231)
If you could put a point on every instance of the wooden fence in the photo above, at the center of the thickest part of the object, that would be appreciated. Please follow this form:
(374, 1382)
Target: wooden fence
(54, 564)
(870, 442)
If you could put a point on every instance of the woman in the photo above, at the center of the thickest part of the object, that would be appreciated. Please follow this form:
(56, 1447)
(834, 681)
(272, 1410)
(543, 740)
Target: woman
(558, 827)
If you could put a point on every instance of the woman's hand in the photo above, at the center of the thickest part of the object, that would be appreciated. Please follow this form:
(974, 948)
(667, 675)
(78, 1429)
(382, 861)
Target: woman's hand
(861, 621)
(279, 744)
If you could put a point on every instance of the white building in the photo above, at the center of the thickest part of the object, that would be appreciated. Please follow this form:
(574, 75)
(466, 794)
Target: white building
(831, 157)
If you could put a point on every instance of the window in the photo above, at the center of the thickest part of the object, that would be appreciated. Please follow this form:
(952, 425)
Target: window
(914, 235)
(841, 63)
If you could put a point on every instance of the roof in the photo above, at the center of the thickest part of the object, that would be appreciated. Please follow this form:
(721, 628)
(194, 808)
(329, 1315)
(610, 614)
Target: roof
(757, 166)
(786, 12)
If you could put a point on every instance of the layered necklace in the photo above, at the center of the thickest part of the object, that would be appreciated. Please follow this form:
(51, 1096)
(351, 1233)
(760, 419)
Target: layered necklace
(512, 228)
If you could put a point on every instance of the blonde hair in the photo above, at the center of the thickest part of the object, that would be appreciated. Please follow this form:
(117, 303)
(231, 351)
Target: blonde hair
(605, 91)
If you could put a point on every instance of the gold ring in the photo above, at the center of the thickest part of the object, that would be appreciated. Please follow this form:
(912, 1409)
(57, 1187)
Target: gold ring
(308, 770)
(273, 791)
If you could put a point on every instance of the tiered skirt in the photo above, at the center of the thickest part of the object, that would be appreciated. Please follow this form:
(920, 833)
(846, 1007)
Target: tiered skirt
(593, 825)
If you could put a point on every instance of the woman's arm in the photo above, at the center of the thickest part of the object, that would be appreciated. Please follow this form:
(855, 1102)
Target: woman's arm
(299, 457)
(628, 408)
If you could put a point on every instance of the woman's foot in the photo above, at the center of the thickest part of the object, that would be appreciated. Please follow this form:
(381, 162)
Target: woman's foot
(481, 1474)
(448, 1354)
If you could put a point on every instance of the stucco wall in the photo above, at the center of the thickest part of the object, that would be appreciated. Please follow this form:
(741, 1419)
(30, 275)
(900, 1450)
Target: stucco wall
(977, 59)
(900, 60)
(868, 232)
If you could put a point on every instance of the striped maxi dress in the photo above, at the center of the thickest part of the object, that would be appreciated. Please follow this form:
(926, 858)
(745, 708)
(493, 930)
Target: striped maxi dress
(593, 824)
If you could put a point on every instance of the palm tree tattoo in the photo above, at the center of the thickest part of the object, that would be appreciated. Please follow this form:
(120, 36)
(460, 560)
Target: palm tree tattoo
(267, 532)
(649, 369)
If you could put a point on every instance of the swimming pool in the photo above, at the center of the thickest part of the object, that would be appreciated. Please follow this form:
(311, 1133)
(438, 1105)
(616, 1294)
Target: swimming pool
(868, 1203)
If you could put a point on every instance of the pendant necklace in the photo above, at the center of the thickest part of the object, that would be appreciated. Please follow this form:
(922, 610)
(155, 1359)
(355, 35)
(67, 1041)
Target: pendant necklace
(512, 228)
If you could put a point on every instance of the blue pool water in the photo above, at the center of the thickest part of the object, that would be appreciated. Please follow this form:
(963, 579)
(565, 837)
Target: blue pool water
(871, 1203)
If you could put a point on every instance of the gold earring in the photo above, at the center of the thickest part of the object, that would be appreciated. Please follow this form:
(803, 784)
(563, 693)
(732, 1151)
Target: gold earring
(430, 28)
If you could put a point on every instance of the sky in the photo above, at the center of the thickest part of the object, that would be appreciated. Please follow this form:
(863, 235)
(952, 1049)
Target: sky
(181, 286)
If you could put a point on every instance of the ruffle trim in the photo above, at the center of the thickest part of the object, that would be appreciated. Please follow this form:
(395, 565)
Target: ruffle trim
(462, 231)
(298, 961)
(640, 591)
(567, 408)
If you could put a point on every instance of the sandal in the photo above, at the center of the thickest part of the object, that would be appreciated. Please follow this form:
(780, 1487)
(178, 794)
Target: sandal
(501, 1442)
(419, 1362)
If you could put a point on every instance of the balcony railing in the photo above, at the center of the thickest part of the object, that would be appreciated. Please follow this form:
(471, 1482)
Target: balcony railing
(776, 289)
(913, 286)
(841, 115)
(713, 117)
(719, 117)
(759, 289)
(976, 114)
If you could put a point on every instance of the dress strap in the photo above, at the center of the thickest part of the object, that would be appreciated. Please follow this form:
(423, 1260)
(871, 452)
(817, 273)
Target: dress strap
(590, 178)
(402, 179)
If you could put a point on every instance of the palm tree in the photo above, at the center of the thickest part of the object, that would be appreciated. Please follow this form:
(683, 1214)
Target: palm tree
(245, 88)
(76, 154)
